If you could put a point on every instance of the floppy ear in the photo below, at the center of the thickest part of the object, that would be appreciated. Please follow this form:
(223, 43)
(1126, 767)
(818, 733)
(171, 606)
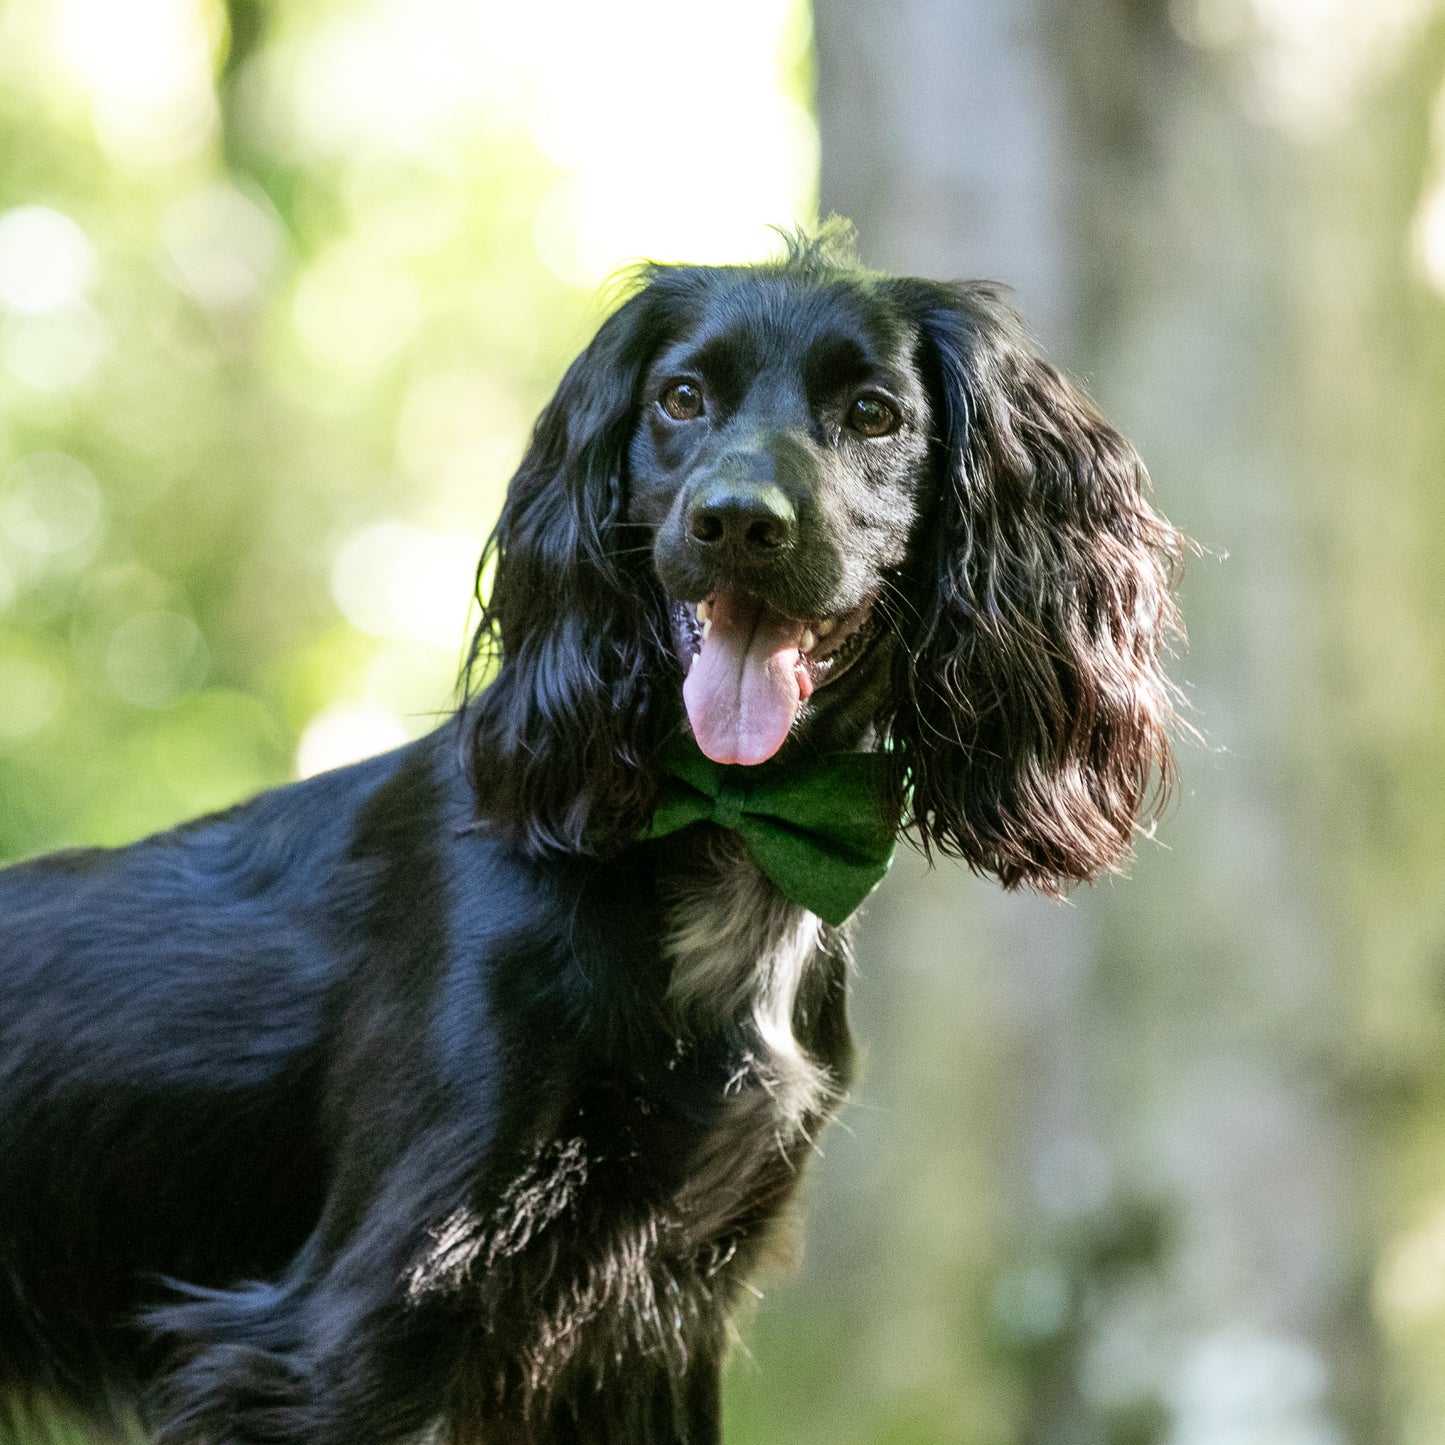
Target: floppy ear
(1034, 715)
(557, 745)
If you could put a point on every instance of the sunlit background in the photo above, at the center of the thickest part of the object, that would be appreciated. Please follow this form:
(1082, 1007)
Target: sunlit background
(282, 286)
(277, 314)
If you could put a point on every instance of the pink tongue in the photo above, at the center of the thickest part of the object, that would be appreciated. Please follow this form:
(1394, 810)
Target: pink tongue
(746, 684)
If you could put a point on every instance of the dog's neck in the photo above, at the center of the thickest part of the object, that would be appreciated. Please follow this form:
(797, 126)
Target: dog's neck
(740, 954)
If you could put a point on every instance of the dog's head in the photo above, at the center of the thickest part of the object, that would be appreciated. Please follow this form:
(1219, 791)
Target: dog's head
(804, 505)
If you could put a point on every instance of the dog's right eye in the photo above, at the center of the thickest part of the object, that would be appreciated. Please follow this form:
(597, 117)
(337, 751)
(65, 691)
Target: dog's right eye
(871, 417)
(682, 401)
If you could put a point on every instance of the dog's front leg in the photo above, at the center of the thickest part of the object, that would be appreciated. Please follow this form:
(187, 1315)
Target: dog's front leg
(335, 1353)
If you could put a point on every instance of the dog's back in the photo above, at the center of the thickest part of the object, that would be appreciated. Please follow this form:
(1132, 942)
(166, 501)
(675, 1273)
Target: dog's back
(162, 1010)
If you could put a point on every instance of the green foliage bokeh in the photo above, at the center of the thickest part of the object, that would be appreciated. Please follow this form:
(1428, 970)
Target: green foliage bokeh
(273, 348)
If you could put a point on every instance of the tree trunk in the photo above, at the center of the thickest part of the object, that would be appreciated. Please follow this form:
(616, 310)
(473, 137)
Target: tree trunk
(1112, 1191)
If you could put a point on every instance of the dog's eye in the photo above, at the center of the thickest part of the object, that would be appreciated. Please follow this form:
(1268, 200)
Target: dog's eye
(870, 417)
(682, 401)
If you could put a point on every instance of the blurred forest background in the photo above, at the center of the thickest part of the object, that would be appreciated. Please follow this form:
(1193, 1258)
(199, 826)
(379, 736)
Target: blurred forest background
(281, 287)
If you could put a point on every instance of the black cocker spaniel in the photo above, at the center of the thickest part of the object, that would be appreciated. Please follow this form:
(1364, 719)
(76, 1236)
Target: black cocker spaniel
(451, 1096)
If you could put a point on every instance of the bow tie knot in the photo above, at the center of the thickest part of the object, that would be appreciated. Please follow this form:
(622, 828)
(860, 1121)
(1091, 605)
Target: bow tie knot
(820, 827)
(727, 808)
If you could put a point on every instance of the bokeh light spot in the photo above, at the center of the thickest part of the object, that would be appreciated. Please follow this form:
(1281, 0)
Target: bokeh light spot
(1410, 1280)
(30, 693)
(1429, 237)
(222, 243)
(147, 68)
(54, 351)
(1033, 1302)
(156, 658)
(50, 504)
(46, 260)
(347, 732)
(396, 580)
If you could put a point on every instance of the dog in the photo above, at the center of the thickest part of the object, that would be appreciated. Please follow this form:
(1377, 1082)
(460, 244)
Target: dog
(454, 1095)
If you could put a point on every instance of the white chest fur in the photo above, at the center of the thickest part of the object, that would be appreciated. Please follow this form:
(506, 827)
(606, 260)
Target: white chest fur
(740, 953)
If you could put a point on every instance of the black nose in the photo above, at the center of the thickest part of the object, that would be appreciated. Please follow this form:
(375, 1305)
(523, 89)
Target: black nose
(744, 517)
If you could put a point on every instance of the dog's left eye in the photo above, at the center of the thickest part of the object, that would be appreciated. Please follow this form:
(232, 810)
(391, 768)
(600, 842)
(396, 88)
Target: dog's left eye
(870, 416)
(682, 401)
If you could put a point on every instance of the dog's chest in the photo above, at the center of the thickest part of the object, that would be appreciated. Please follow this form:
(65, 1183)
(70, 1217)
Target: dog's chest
(627, 1223)
(740, 956)
(714, 1111)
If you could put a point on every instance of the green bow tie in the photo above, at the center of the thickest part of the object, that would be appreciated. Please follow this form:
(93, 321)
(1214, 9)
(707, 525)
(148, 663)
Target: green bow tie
(820, 828)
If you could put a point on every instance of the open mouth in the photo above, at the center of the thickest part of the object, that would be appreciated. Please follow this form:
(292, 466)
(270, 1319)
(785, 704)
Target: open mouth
(750, 669)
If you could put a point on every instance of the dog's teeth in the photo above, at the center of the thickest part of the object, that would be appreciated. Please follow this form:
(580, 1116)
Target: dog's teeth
(810, 639)
(706, 626)
(824, 628)
(704, 612)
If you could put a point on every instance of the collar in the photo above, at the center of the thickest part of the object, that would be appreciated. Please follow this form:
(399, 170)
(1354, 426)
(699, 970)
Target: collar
(819, 826)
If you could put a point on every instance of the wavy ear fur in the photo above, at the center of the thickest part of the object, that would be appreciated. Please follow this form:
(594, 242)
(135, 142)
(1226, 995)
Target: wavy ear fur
(1032, 715)
(557, 744)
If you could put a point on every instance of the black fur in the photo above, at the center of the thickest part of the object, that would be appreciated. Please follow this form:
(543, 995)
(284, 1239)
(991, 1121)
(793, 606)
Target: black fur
(374, 1109)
